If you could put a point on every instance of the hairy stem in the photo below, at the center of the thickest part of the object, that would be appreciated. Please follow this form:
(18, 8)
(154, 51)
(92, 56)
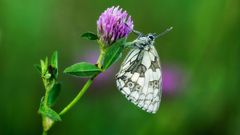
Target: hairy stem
(102, 54)
(100, 59)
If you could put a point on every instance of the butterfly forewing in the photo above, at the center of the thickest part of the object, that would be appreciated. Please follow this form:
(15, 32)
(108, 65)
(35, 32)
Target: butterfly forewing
(139, 78)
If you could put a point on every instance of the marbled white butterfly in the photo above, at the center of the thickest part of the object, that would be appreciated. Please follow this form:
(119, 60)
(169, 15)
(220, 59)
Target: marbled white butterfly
(140, 77)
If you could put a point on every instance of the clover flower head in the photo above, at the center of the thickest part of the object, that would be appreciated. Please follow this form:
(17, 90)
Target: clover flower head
(114, 24)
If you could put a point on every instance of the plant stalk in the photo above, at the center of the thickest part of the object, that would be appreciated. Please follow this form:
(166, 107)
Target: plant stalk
(86, 85)
(79, 95)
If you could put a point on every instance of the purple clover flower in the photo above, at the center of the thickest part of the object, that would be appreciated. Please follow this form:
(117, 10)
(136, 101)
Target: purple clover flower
(114, 24)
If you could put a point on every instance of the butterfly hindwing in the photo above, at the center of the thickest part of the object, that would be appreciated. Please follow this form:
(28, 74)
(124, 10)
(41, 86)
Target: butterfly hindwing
(139, 78)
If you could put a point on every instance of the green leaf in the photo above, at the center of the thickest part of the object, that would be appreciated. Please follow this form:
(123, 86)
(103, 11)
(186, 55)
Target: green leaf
(90, 36)
(46, 61)
(53, 67)
(83, 69)
(113, 53)
(48, 112)
(38, 67)
(44, 66)
(54, 60)
(53, 94)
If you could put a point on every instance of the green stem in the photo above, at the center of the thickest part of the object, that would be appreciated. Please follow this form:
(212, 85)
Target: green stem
(48, 124)
(80, 94)
(45, 124)
(100, 59)
(86, 85)
(102, 54)
(45, 101)
(44, 133)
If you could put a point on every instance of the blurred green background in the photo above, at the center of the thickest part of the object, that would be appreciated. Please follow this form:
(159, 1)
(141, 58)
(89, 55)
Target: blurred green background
(200, 60)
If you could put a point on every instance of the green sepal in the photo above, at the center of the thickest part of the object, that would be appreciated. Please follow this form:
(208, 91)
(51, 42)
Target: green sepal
(90, 36)
(83, 69)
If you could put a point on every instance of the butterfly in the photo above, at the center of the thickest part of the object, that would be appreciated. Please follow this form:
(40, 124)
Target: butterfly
(140, 77)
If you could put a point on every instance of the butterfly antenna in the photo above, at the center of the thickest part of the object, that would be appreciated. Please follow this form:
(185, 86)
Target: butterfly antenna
(134, 31)
(165, 32)
(137, 33)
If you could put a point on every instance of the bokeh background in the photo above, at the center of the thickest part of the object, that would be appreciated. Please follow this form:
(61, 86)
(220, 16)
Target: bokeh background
(200, 60)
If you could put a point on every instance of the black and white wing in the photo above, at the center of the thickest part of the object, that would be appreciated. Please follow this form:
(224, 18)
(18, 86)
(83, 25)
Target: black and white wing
(139, 78)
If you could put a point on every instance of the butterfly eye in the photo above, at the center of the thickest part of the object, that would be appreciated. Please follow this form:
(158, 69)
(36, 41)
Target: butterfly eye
(151, 37)
(138, 87)
(130, 85)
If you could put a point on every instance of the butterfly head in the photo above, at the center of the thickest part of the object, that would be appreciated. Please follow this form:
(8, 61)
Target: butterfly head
(149, 38)
(144, 41)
